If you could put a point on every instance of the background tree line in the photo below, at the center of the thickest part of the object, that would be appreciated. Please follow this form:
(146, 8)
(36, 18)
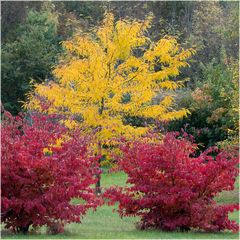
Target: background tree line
(31, 44)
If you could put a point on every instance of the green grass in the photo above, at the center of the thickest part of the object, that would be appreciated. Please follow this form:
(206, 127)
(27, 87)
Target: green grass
(105, 224)
(229, 196)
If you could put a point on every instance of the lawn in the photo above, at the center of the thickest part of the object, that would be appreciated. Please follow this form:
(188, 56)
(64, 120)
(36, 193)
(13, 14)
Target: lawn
(105, 224)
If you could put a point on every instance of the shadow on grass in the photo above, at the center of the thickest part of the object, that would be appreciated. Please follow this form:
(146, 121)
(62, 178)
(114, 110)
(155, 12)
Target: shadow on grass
(105, 224)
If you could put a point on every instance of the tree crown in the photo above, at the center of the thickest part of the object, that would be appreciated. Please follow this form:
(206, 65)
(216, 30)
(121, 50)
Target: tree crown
(113, 73)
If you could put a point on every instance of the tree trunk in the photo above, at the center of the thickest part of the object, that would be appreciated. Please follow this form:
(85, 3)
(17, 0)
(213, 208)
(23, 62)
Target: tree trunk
(173, 17)
(184, 229)
(23, 229)
(98, 184)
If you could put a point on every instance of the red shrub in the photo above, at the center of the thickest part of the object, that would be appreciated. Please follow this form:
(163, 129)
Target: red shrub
(38, 184)
(171, 189)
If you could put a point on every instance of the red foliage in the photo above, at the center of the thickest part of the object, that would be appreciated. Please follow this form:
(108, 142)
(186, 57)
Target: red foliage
(170, 189)
(37, 187)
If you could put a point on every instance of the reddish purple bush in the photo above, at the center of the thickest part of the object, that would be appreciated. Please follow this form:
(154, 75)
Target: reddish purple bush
(41, 175)
(170, 189)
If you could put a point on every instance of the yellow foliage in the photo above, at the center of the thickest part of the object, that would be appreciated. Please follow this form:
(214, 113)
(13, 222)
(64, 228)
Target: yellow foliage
(58, 144)
(47, 151)
(99, 69)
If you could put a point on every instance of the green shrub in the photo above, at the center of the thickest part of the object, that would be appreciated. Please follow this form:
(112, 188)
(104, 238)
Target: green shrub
(213, 105)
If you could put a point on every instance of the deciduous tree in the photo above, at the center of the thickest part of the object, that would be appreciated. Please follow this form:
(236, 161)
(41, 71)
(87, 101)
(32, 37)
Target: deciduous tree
(113, 73)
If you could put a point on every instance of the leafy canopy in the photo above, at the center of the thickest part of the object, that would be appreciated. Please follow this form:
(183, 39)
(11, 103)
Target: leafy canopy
(30, 56)
(115, 72)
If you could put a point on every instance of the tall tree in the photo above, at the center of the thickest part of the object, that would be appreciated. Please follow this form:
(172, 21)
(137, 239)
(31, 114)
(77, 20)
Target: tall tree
(30, 56)
(114, 73)
(14, 13)
(103, 77)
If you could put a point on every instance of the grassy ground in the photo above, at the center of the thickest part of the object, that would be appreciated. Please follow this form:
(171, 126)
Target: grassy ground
(105, 224)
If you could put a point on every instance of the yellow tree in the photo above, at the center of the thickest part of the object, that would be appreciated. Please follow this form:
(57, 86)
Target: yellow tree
(115, 72)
